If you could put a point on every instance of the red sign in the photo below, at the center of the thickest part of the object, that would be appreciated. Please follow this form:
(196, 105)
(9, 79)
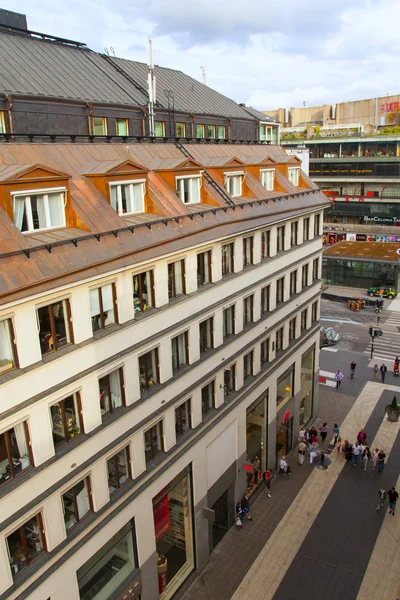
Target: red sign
(248, 468)
(347, 198)
(390, 107)
(370, 194)
(361, 199)
(161, 517)
(286, 416)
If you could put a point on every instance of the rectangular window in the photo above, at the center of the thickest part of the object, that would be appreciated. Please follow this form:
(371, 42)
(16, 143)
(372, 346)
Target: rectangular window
(208, 397)
(306, 229)
(206, 335)
(248, 310)
(304, 319)
(180, 129)
(294, 232)
(77, 502)
(267, 179)
(180, 351)
(25, 544)
(103, 306)
(221, 132)
(285, 386)
(233, 184)
(265, 299)
(176, 279)
(247, 251)
(228, 258)
(143, 291)
(159, 128)
(54, 326)
(280, 239)
(280, 290)
(8, 347)
(128, 198)
(292, 330)
(65, 418)
(279, 340)
(148, 370)
(112, 394)
(122, 127)
(248, 365)
(188, 189)
(2, 122)
(265, 349)
(118, 469)
(39, 211)
(317, 223)
(294, 175)
(211, 132)
(229, 321)
(314, 312)
(199, 131)
(204, 268)
(315, 269)
(182, 419)
(15, 451)
(153, 442)
(109, 567)
(99, 125)
(229, 380)
(293, 283)
(265, 244)
(304, 276)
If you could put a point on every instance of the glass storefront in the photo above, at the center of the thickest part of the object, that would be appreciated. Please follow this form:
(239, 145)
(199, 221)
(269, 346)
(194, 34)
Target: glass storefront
(173, 524)
(284, 436)
(356, 273)
(285, 386)
(307, 386)
(256, 441)
(109, 567)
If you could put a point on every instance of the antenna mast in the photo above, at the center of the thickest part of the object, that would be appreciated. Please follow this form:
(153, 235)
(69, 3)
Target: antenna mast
(203, 75)
(151, 80)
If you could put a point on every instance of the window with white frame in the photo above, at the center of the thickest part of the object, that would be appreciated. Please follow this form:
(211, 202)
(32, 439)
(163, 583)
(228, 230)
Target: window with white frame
(128, 197)
(268, 178)
(294, 175)
(188, 188)
(233, 183)
(39, 209)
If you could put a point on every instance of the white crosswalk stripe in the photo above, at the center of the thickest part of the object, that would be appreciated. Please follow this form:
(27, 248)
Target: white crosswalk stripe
(386, 347)
(328, 376)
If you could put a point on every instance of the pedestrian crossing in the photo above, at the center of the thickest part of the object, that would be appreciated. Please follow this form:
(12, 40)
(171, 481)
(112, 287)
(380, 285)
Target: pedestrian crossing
(387, 347)
(327, 378)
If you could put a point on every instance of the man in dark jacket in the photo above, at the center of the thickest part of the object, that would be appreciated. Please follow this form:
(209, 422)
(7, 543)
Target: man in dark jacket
(392, 497)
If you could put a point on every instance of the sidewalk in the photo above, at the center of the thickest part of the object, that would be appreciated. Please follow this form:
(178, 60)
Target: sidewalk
(238, 550)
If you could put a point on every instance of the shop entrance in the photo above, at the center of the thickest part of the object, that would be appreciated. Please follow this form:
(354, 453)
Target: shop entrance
(224, 516)
(284, 439)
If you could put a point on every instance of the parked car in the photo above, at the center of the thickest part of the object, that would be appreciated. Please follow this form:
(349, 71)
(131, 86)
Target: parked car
(328, 336)
(388, 292)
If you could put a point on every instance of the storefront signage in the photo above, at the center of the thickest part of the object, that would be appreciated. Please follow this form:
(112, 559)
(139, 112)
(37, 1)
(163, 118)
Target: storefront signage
(391, 220)
(389, 107)
(248, 467)
(161, 517)
(286, 416)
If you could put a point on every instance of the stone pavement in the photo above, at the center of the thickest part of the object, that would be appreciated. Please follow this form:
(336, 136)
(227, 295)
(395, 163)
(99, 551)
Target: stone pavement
(236, 553)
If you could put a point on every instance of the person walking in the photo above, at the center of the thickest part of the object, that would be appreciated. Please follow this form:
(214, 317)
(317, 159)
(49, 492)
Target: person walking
(324, 432)
(302, 432)
(302, 452)
(383, 370)
(335, 432)
(313, 452)
(366, 456)
(375, 458)
(338, 378)
(267, 480)
(347, 449)
(381, 497)
(246, 506)
(381, 460)
(353, 366)
(392, 497)
(361, 436)
(239, 515)
(313, 435)
(376, 369)
(357, 450)
(307, 436)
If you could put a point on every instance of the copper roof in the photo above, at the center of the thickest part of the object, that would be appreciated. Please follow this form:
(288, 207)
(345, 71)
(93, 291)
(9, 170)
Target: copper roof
(382, 251)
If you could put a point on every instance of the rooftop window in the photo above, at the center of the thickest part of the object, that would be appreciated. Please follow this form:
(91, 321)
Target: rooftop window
(122, 127)
(267, 179)
(233, 183)
(2, 122)
(159, 128)
(294, 175)
(180, 129)
(128, 197)
(99, 125)
(39, 210)
(188, 188)
(211, 131)
(199, 130)
(221, 132)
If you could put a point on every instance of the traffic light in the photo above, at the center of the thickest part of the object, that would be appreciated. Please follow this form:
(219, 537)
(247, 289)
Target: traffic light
(370, 331)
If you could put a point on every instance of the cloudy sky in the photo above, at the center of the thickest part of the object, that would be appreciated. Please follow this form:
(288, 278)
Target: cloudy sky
(269, 54)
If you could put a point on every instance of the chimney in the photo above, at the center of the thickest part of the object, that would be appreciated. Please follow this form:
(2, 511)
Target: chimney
(242, 104)
(10, 20)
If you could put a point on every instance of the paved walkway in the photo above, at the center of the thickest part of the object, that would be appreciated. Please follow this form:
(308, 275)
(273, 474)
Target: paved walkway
(319, 535)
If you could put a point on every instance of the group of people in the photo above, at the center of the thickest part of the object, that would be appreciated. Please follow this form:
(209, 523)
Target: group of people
(392, 497)
(308, 441)
(382, 370)
(360, 450)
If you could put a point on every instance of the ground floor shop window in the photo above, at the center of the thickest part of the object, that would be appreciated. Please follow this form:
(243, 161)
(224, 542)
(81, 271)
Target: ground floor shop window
(256, 441)
(307, 387)
(284, 435)
(109, 567)
(173, 524)
(285, 386)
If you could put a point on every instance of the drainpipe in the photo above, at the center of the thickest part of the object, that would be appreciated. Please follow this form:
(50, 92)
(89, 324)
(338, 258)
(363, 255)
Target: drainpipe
(9, 115)
(192, 126)
(229, 128)
(144, 111)
(89, 118)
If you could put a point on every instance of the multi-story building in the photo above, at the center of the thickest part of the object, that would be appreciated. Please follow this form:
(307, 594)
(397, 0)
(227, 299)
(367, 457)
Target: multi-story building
(159, 336)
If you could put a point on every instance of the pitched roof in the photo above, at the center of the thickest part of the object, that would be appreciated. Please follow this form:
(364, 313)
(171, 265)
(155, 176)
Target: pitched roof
(258, 114)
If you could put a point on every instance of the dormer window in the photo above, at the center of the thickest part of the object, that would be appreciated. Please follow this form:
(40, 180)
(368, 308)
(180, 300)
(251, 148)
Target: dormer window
(2, 122)
(128, 197)
(188, 188)
(233, 183)
(268, 178)
(39, 209)
(294, 175)
(99, 125)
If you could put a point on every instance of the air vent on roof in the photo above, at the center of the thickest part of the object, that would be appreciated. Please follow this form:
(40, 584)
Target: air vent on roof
(12, 19)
